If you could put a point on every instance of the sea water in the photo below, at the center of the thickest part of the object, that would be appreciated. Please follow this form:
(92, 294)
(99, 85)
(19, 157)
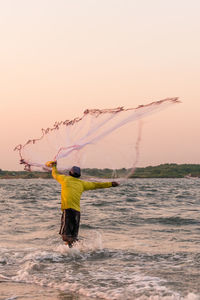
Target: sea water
(140, 240)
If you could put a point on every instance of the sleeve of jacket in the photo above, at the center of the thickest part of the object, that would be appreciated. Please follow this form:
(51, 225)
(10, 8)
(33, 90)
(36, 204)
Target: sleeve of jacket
(56, 175)
(95, 185)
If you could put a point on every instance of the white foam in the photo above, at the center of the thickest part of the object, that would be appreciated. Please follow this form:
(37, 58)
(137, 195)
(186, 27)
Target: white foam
(103, 282)
(93, 243)
(42, 256)
(140, 287)
(4, 278)
(192, 296)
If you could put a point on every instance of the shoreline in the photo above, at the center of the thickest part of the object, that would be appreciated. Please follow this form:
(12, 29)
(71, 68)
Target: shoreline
(160, 171)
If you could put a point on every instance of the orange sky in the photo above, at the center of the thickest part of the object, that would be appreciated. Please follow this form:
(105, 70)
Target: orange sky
(58, 58)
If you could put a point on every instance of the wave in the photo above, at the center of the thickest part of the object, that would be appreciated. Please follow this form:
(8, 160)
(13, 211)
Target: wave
(176, 221)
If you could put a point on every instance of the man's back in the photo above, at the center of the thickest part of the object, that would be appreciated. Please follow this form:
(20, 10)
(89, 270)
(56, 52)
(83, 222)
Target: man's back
(72, 189)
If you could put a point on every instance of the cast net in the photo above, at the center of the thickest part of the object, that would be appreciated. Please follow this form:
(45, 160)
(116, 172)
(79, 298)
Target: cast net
(100, 139)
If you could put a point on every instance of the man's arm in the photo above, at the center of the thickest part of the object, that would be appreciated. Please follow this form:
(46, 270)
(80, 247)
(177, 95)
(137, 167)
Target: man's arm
(98, 185)
(55, 174)
(115, 183)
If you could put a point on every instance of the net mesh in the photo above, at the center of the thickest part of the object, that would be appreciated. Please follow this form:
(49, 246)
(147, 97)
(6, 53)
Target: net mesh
(107, 138)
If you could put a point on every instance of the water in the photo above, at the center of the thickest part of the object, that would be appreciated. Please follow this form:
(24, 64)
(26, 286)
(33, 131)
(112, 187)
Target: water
(137, 241)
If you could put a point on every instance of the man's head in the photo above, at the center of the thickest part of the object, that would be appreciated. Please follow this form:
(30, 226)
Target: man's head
(75, 172)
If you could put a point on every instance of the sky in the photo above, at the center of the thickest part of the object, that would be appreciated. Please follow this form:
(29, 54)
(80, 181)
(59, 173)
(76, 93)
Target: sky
(60, 57)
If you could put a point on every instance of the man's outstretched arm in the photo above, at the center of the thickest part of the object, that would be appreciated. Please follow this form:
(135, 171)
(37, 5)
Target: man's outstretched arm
(55, 174)
(98, 185)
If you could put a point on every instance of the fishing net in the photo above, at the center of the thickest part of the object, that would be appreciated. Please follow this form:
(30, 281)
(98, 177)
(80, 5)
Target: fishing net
(100, 139)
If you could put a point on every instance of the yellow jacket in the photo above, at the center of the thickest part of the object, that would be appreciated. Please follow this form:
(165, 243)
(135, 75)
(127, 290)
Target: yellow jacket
(72, 189)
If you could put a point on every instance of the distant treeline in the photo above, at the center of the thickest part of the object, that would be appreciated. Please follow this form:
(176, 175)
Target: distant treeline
(23, 174)
(169, 171)
(161, 171)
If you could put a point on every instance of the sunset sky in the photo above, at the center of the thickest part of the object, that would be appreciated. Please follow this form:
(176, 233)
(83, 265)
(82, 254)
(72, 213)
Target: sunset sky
(58, 58)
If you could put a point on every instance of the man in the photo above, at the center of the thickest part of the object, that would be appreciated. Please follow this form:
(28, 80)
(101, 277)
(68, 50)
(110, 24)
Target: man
(71, 190)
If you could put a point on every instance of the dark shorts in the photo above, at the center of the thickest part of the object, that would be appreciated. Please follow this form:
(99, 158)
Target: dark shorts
(70, 220)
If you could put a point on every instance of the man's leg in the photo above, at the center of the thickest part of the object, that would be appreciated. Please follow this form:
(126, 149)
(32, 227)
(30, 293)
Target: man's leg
(69, 226)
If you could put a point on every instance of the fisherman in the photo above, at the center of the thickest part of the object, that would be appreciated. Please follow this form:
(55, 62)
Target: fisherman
(71, 190)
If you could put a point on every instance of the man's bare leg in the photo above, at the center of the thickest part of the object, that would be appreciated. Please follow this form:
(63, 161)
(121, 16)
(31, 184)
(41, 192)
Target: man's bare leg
(69, 241)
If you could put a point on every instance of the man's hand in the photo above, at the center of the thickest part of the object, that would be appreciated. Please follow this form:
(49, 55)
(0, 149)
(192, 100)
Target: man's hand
(51, 164)
(114, 183)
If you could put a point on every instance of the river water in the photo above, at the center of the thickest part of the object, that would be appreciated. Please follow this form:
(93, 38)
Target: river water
(140, 240)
